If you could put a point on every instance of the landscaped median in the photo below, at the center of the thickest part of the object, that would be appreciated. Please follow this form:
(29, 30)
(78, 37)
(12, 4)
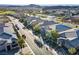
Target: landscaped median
(20, 39)
(24, 49)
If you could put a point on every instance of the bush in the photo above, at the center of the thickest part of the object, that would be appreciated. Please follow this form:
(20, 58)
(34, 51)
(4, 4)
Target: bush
(23, 36)
(72, 50)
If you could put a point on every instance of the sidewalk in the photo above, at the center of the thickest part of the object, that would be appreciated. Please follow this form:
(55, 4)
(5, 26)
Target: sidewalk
(26, 51)
(51, 50)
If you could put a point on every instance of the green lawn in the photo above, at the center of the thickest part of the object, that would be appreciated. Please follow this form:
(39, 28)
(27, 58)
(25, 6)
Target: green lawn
(7, 12)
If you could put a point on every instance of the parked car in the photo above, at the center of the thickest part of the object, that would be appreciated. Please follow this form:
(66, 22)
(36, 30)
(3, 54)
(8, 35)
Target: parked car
(17, 27)
(39, 43)
(24, 27)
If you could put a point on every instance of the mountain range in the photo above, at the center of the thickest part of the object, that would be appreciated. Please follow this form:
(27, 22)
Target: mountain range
(40, 6)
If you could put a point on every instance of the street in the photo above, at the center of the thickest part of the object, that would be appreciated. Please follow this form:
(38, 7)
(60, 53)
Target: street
(30, 39)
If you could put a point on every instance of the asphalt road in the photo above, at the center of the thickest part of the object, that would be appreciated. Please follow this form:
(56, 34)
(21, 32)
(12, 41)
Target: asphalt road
(30, 39)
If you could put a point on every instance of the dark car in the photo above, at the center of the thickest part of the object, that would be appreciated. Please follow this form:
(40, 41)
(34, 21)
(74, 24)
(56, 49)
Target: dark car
(39, 44)
(17, 27)
(24, 27)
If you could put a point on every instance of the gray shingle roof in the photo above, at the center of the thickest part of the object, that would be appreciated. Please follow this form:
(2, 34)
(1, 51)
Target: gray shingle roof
(46, 23)
(7, 33)
(72, 38)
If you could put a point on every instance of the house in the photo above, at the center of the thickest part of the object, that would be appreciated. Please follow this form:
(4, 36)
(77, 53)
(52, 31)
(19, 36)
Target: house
(3, 19)
(68, 20)
(69, 38)
(74, 19)
(58, 27)
(33, 20)
(8, 38)
(45, 26)
(51, 17)
(46, 23)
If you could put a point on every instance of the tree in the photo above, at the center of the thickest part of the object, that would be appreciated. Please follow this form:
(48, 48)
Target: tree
(21, 20)
(21, 42)
(46, 12)
(54, 35)
(23, 36)
(20, 39)
(25, 23)
(36, 29)
(72, 50)
(48, 35)
(76, 26)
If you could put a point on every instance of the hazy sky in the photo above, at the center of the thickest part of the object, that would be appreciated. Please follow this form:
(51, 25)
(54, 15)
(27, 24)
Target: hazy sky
(40, 2)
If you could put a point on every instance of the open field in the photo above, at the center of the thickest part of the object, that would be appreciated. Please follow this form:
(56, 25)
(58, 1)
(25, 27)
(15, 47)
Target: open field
(7, 12)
